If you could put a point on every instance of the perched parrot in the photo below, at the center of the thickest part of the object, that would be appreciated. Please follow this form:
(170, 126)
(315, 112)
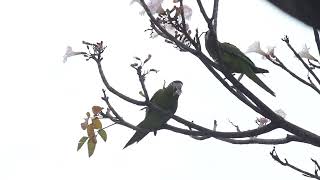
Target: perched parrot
(165, 98)
(235, 60)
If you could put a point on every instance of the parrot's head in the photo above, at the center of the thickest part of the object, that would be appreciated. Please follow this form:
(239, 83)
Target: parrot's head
(210, 43)
(210, 36)
(177, 87)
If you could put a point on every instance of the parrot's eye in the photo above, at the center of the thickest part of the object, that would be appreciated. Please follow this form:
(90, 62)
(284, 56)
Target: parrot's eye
(177, 88)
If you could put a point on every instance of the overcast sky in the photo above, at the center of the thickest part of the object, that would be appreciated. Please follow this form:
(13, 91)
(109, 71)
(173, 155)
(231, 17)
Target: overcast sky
(43, 101)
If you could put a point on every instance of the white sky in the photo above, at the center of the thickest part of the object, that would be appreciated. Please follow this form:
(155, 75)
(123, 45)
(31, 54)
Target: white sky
(43, 101)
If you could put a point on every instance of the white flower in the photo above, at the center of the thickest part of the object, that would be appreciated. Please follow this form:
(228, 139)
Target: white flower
(155, 6)
(281, 113)
(187, 12)
(255, 47)
(133, 1)
(270, 51)
(304, 53)
(69, 53)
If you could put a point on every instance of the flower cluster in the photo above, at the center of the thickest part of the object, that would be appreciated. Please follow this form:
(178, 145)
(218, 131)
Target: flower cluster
(97, 48)
(304, 53)
(69, 53)
(256, 48)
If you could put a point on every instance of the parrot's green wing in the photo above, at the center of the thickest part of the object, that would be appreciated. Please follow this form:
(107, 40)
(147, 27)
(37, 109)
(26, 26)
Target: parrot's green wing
(235, 60)
(238, 62)
(148, 123)
(233, 52)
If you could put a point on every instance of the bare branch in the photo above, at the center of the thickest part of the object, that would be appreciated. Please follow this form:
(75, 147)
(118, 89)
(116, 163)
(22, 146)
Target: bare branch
(198, 135)
(215, 15)
(317, 39)
(184, 29)
(278, 63)
(203, 12)
(286, 40)
(275, 156)
(114, 91)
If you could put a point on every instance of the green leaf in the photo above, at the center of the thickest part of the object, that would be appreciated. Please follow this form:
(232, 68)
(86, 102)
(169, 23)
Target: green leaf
(103, 134)
(81, 142)
(91, 146)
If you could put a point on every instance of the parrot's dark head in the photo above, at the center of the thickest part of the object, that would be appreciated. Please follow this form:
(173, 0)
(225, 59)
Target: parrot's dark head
(209, 36)
(210, 43)
(177, 87)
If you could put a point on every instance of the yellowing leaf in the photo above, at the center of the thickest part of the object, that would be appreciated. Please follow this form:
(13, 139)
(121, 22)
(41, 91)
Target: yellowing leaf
(81, 142)
(90, 131)
(91, 146)
(103, 134)
(96, 109)
(96, 123)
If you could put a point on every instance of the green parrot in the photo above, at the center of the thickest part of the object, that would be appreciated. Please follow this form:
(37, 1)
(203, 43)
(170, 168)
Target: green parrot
(235, 60)
(165, 98)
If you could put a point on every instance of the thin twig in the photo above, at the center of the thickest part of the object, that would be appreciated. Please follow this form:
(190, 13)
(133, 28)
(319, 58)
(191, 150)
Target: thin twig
(184, 28)
(278, 63)
(275, 156)
(114, 91)
(286, 40)
(143, 86)
(317, 39)
(203, 12)
(215, 15)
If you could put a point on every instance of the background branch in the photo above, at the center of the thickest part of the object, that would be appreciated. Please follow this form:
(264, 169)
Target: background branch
(275, 156)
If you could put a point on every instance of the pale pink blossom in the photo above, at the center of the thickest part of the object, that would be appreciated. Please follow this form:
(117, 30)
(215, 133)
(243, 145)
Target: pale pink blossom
(155, 6)
(187, 12)
(262, 121)
(281, 113)
(270, 51)
(304, 53)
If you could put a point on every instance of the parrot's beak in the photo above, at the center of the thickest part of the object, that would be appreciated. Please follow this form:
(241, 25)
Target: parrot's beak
(177, 86)
(177, 91)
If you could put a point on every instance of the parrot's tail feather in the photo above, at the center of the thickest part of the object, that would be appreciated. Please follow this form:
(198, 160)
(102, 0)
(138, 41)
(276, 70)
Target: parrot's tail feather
(136, 138)
(260, 70)
(258, 81)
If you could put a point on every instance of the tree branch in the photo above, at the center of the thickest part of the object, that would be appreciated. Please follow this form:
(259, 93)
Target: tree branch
(274, 155)
(198, 135)
(317, 39)
(203, 12)
(215, 15)
(114, 91)
(261, 107)
(286, 40)
(278, 63)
